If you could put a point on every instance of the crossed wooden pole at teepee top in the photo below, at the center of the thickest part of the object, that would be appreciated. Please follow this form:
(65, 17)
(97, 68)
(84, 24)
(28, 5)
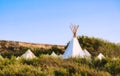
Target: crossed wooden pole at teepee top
(74, 29)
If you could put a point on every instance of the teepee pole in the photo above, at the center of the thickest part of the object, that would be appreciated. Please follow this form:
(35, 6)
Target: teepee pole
(74, 29)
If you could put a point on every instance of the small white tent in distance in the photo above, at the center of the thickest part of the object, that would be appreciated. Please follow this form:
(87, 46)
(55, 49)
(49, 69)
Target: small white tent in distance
(87, 54)
(100, 56)
(1, 57)
(28, 55)
(53, 54)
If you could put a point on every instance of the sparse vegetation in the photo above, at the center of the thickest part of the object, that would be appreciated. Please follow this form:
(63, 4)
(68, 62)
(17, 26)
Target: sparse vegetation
(50, 66)
(96, 46)
(45, 65)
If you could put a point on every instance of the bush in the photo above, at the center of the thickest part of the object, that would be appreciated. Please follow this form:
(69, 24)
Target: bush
(47, 65)
(61, 72)
(113, 66)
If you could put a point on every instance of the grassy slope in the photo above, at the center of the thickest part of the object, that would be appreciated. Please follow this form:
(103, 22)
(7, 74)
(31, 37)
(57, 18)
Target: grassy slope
(49, 66)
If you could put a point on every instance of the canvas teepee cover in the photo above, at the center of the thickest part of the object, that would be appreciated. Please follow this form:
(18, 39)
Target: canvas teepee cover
(73, 49)
(53, 54)
(1, 57)
(100, 56)
(87, 54)
(28, 55)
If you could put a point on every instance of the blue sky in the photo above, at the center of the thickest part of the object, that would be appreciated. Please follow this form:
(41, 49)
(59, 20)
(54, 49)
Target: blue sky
(48, 21)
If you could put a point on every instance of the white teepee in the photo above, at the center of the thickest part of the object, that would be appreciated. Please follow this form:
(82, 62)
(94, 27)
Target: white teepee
(60, 55)
(1, 57)
(28, 55)
(53, 54)
(100, 56)
(87, 54)
(73, 49)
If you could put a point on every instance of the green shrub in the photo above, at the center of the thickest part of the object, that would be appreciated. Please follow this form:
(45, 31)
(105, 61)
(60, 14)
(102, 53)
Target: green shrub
(113, 66)
(61, 72)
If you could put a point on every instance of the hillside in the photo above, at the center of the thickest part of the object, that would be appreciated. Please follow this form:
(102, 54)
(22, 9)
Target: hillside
(97, 45)
(16, 45)
(46, 65)
(15, 48)
(92, 44)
